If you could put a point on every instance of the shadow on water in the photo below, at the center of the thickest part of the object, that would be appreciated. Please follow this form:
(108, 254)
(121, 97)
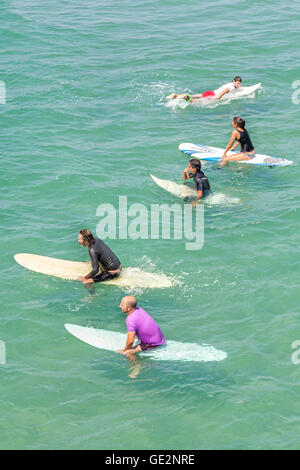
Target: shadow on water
(207, 378)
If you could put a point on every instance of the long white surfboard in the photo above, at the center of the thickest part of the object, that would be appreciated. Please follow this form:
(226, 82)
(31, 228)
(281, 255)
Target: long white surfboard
(242, 91)
(214, 154)
(172, 351)
(179, 190)
(129, 277)
(184, 191)
(233, 95)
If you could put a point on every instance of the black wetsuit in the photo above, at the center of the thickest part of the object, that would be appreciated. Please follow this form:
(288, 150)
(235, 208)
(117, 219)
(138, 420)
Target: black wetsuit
(202, 183)
(102, 257)
(245, 141)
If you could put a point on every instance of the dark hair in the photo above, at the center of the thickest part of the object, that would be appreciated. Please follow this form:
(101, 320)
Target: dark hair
(87, 235)
(239, 121)
(237, 78)
(195, 163)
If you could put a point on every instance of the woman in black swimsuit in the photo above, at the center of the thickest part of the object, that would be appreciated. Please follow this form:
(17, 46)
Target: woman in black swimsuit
(239, 136)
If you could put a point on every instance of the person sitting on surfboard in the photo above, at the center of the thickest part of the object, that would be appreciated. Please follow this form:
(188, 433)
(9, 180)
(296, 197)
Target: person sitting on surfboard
(214, 94)
(139, 323)
(201, 182)
(101, 256)
(239, 136)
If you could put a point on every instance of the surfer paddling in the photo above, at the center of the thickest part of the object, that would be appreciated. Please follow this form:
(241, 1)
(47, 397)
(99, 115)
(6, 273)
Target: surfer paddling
(211, 94)
(201, 182)
(102, 258)
(139, 323)
(239, 136)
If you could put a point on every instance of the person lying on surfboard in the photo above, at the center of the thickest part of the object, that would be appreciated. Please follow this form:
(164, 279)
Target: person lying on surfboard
(102, 258)
(201, 182)
(239, 136)
(139, 323)
(212, 94)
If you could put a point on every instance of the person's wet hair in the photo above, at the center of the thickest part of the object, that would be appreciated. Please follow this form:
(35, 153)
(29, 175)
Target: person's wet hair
(237, 78)
(239, 121)
(195, 163)
(87, 235)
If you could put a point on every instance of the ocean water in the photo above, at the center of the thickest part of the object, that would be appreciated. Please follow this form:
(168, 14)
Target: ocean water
(85, 120)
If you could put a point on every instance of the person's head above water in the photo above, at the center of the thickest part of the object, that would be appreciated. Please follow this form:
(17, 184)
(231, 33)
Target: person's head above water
(128, 304)
(237, 81)
(194, 165)
(238, 121)
(85, 237)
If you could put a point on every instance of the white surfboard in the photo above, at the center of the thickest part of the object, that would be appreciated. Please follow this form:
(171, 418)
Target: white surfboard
(184, 191)
(214, 154)
(242, 91)
(179, 190)
(232, 95)
(172, 351)
(129, 277)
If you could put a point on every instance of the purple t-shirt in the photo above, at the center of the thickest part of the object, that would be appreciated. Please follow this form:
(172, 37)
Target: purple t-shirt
(144, 327)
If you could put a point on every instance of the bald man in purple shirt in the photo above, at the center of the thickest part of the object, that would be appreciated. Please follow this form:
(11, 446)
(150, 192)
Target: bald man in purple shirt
(139, 323)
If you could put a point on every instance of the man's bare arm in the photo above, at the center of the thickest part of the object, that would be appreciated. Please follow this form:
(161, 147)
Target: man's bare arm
(129, 342)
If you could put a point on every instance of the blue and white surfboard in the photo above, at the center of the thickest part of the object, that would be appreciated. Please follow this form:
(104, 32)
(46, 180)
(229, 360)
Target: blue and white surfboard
(214, 154)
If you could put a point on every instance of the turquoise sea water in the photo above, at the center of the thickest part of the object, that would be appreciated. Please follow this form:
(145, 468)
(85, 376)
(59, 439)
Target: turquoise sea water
(84, 122)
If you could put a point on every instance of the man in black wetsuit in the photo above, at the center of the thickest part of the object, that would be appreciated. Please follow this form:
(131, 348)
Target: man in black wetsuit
(201, 182)
(102, 258)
